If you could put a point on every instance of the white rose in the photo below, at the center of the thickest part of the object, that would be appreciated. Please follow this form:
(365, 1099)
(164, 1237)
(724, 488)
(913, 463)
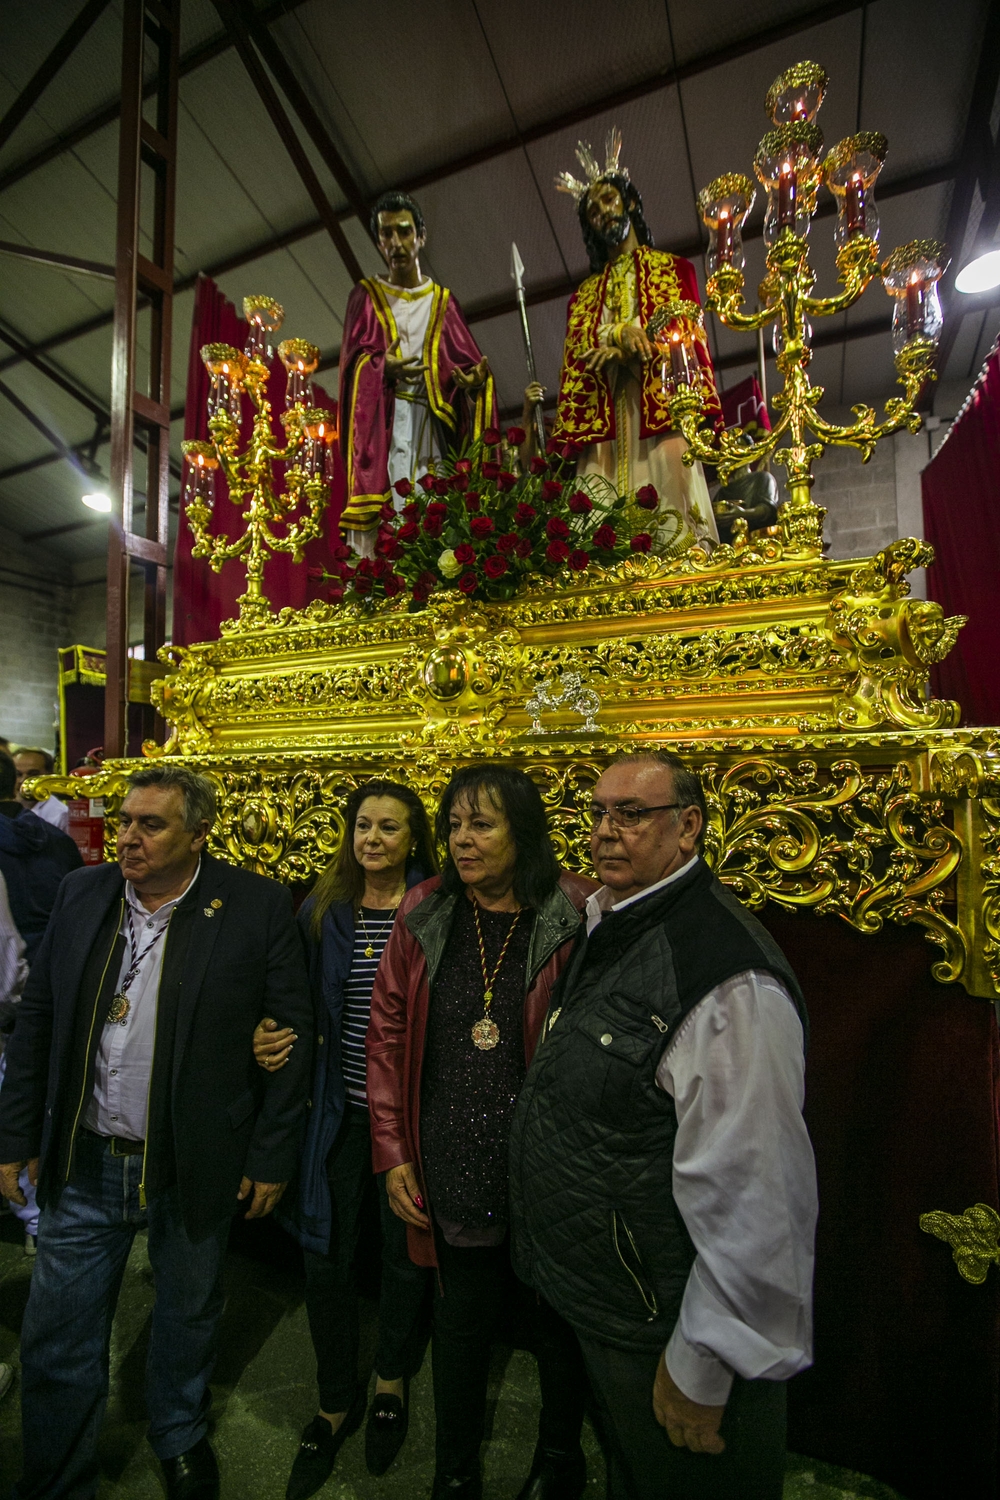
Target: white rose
(448, 564)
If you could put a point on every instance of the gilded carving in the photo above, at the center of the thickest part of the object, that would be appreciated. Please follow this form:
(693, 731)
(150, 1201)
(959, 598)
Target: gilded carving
(974, 1237)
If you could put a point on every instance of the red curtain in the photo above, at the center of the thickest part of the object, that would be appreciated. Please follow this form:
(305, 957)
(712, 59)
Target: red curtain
(203, 598)
(961, 491)
(743, 405)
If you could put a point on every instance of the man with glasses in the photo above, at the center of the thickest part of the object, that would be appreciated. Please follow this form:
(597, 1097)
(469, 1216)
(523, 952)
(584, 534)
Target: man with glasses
(662, 1181)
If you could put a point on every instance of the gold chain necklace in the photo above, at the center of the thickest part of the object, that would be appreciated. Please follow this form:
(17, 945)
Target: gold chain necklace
(486, 1032)
(383, 930)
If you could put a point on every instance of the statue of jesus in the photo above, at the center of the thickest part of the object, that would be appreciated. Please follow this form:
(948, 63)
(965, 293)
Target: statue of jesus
(413, 381)
(611, 397)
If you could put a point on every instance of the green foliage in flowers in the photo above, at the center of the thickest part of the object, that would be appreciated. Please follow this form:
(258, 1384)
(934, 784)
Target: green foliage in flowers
(482, 528)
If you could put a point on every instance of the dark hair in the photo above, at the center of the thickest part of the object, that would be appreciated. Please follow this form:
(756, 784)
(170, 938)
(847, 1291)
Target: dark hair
(395, 203)
(687, 785)
(8, 776)
(344, 878)
(597, 250)
(197, 791)
(46, 755)
(536, 873)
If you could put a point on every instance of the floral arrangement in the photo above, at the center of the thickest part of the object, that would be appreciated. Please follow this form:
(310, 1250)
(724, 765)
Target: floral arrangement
(481, 527)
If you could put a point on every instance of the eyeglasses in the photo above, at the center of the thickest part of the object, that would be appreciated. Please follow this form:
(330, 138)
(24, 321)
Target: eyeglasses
(624, 817)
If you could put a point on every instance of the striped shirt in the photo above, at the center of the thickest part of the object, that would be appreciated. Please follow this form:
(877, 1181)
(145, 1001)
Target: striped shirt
(371, 932)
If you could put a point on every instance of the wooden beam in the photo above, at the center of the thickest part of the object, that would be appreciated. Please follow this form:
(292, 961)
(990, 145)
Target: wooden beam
(44, 74)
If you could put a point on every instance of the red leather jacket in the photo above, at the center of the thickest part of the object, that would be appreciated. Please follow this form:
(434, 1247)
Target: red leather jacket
(398, 1026)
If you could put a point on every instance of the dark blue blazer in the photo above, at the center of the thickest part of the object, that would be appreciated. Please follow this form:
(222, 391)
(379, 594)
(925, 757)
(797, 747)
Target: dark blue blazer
(305, 1210)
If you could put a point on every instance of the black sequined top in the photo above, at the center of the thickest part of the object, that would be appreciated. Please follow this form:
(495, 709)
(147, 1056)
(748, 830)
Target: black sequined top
(467, 1095)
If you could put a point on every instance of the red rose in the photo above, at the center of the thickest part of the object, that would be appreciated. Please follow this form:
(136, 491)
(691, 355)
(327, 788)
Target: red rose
(481, 526)
(551, 489)
(551, 447)
(472, 500)
(340, 553)
(422, 587)
(578, 560)
(506, 482)
(468, 583)
(433, 526)
(557, 552)
(647, 497)
(316, 574)
(507, 542)
(403, 487)
(495, 566)
(441, 485)
(463, 466)
(346, 572)
(437, 509)
(580, 503)
(392, 585)
(556, 529)
(362, 584)
(491, 437)
(524, 547)
(491, 469)
(380, 568)
(465, 554)
(388, 512)
(538, 465)
(365, 567)
(389, 547)
(426, 481)
(408, 533)
(642, 542)
(570, 450)
(411, 512)
(460, 482)
(335, 594)
(515, 436)
(524, 515)
(604, 537)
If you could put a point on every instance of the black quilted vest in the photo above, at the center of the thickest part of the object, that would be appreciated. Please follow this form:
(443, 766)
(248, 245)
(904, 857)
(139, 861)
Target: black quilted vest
(595, 1227)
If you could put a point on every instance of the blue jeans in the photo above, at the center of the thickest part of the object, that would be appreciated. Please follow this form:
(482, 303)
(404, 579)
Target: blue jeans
(83, 1244)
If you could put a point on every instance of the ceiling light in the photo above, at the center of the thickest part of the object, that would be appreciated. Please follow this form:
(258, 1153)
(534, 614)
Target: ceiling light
(981, 274)
(97, 502)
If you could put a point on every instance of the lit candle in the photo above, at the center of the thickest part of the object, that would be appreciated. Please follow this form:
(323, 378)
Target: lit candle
(786, 197)
(297, 386)
(855, 205)
(680, 369)
(914, 306)
(724, 239)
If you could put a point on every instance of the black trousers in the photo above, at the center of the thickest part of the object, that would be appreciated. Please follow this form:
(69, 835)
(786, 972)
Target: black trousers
(643, 1464)
(477, 1294)
(331, 1285)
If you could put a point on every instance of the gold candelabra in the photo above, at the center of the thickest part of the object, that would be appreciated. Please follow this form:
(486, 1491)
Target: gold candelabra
(789, 167)
(307, 456)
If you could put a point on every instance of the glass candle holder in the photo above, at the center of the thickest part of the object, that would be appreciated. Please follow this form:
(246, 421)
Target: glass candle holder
(850, 171)
(796, 94)
(787, 163)
(316, 426)
(724, 207)
(675, 329)
(263, 316)
(227, 367)
(300, 359)
(199, 478)
(910, 275)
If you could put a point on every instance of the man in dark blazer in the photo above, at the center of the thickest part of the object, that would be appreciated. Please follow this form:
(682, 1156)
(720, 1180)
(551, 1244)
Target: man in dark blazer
(134, 1100)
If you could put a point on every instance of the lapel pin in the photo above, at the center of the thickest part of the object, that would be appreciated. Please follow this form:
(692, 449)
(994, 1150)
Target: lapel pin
(209, 912)
(216, 903)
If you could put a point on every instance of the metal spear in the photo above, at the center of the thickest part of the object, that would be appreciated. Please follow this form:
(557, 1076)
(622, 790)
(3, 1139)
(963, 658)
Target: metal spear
(517, 273)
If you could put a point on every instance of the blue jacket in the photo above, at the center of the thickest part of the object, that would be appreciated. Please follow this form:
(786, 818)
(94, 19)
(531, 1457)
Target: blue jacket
(305, 1209)
(34, 857)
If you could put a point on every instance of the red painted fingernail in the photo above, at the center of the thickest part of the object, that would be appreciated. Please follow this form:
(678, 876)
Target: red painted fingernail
(418, 1200)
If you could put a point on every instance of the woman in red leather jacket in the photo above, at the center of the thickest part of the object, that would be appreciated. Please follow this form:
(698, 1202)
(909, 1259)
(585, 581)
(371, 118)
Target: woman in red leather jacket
(458, 1005)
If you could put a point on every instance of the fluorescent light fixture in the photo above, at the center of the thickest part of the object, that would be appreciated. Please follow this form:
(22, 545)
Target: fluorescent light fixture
(97, 502)
(981, 274)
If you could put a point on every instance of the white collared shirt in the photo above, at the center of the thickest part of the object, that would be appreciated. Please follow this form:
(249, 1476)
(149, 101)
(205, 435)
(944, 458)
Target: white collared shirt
(124, 1062)
(744, 1180)
(13, 965)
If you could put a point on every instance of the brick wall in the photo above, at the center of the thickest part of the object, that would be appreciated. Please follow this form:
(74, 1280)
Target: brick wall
(35, 608)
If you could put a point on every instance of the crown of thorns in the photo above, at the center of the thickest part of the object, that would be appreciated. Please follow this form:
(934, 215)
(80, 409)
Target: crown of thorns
(566, 183)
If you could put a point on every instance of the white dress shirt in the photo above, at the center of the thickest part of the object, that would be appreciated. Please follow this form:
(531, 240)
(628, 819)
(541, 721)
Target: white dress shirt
(124, 1062)
(744, 1180)
(13, 966)
(52, 811)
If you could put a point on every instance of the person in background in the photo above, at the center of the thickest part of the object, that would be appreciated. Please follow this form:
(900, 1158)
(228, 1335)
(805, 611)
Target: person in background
(30, 761)
(459, 1000)
(132, 1098)
(663, 1186)
(34, 857)
(346, 921)
(13, 973)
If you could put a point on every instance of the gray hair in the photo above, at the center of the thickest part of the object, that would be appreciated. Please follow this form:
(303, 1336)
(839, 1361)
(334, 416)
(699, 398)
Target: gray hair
(686, 783)
(197, 791)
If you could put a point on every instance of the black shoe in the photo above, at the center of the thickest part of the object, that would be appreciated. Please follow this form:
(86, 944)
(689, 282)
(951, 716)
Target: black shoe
(193, 1475)
(318, 1449)
(385, 1432)
(457, 1487)
(555, 1476)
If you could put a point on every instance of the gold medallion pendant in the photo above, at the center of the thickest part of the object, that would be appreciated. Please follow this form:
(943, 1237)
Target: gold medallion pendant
(369, 951)
(119, 1009)
(486, 1034)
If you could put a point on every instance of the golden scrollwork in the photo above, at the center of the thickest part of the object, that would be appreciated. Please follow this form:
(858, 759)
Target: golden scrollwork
(974, 1237)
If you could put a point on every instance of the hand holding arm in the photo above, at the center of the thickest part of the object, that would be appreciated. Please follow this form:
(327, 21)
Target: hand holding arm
(272, 1044)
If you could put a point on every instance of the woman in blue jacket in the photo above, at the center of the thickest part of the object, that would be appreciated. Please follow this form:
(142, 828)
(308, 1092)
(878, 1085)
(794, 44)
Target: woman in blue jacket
(346, 922)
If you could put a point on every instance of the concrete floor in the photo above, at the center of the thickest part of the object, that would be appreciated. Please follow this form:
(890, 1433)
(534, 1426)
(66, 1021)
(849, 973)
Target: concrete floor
(264, 1395)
